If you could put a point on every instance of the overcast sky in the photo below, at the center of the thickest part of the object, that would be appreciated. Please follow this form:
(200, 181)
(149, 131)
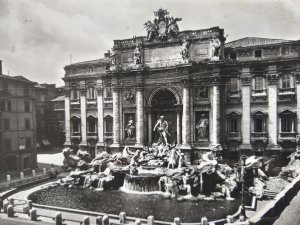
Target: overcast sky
(37, 37)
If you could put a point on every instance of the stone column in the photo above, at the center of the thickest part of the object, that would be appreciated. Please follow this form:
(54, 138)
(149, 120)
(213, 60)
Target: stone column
(150, 127)
(83, 116)
(246, 115)
(272, 77)
(215, 78)
(186, 117)
(116, 117)
(178, 127)
(100, 115)
(139, 117)
(67, 119)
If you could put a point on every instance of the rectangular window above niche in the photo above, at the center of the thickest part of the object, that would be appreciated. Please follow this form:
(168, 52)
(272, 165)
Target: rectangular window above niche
(258, 53)
(233, 56)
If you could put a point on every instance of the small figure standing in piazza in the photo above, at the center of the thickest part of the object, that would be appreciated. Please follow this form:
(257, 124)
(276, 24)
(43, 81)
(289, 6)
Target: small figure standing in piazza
(161, 126)
(202, 127)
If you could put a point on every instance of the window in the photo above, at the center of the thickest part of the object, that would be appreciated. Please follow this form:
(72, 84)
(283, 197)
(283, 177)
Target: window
(7, 145)
(257, 53)
(2, 105)
(75, 125)
(27, 124)
(92, 124)
(232, 55)
(28, 144)
(26, 90)
(108, 93)
(91, 69)
(259, 122)
(9, 106)
(233, 122)
(234, 85)
(287, 121)
(6, 124)
(43, 98)
(285, 81)
(91, 93)
(259, 83)
(74, 94)
(27, 106)
(287, 124)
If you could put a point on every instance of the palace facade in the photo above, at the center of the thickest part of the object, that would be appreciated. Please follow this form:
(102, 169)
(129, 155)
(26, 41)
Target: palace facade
(243, 95)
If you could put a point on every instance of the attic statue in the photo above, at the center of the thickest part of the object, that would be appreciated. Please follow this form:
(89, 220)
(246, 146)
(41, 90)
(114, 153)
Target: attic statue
(137, 55)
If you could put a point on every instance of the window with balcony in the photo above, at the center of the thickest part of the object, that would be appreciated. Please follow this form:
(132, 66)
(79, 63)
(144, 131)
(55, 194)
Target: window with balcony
(287, 121)
(234, 86)
(259, 120)
(259, 127)
(74, 94)
(107, 92)
(234, 126)
(287, 84)
(91, 93)
(259, 85)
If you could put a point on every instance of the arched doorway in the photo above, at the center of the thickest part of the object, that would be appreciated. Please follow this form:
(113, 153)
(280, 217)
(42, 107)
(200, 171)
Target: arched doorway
(164, 103)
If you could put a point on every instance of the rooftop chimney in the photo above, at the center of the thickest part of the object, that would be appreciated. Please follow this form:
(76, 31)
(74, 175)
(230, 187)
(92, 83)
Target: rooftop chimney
(1, 67)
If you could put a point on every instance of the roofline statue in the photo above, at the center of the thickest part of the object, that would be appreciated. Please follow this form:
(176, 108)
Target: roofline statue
(163, 27)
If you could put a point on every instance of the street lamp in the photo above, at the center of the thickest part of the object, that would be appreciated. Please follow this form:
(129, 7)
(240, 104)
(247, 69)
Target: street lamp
(241, 179)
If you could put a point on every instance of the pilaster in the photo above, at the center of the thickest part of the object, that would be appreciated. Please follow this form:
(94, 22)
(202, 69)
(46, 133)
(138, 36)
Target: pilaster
(67, 119)
(186, 117)
(246, 116)
(100, 116)
(116, 116)
(215, 79)
(272, 77)
(139, 117)
(83, 116)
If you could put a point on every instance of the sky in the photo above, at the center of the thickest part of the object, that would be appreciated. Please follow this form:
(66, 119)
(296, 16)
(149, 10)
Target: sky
(37, 37)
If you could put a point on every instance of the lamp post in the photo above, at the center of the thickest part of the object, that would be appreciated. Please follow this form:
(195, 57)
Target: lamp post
(241, 179)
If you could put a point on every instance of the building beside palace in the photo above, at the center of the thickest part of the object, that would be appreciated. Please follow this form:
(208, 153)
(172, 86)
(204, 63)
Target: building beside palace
(243, 95)
(17, 122)
(55, 119)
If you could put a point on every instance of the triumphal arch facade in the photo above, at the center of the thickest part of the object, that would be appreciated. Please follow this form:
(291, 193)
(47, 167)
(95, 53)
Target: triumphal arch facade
(204, 89)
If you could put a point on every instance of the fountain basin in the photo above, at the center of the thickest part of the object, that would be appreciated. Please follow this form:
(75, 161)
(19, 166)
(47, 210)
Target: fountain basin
(135, 205)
